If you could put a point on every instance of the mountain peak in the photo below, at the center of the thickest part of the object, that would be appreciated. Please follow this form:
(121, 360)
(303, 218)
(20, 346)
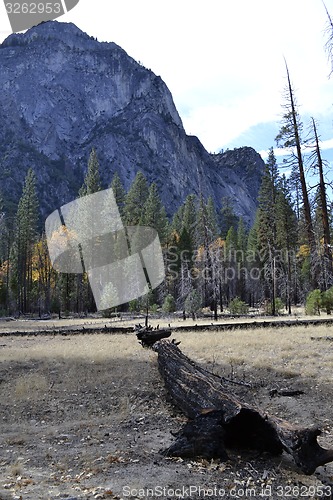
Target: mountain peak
(48, 31)
(63, 93)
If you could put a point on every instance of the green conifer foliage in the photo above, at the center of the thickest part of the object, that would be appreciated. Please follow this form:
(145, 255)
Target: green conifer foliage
(119, 192)
(92, 181)
(26, 233)
(135, 200)
(153, 214)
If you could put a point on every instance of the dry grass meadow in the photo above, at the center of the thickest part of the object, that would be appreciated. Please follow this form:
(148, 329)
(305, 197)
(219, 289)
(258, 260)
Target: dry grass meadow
(85, 416)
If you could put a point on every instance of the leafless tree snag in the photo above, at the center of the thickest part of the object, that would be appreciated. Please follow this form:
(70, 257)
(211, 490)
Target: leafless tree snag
(219, 421)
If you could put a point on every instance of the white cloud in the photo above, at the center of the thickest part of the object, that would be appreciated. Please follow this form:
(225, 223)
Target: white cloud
(278, 152)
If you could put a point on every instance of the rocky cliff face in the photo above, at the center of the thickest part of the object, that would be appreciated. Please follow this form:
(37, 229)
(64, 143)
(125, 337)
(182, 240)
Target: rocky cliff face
(64, 92)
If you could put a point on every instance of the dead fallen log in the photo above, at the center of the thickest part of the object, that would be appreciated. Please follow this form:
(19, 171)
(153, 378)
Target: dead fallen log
(219, 421)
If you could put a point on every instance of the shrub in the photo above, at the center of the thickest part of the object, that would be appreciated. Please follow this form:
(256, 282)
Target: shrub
(154, 308)
(237, 306)
(134, 306)
(169, 304)
(327, 300)
(313, 302)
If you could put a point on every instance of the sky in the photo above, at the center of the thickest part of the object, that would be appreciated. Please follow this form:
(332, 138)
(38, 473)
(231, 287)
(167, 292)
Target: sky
(223, 61)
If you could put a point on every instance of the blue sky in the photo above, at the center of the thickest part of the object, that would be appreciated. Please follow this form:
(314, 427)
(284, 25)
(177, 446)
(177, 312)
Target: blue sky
(223, 60)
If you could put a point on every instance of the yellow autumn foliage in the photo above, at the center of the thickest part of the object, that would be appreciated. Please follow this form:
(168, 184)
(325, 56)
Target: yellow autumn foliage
(303, 252)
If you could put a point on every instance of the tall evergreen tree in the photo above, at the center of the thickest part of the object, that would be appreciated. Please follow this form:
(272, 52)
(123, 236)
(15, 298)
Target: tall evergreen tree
(177, 220)
(212, 223)
(231, 263)
(202, 237)
(190, 216)
(154, 214)
(241, 259)
(119, 192)
(26, 230)
(267, 230)
(228, 217)
(254, 264)
(92, 181)
(135, 200)
(92, 184)
(287, 241)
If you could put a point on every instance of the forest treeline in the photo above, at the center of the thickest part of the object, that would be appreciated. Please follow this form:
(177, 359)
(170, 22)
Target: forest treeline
(212, 260)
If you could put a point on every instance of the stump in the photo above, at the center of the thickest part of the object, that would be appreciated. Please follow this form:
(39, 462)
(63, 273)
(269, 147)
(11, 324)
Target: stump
(147, 336)
(219, 421)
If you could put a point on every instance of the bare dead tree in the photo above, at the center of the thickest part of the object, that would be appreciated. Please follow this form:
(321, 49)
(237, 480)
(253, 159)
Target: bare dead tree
(329, 42)
(290, 137)
(318, 163)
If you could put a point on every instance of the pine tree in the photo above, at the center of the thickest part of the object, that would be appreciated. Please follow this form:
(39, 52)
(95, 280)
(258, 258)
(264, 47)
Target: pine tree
(190, 216)
(230, 262)
(242, 238)
(202, 236)
(213, 229)
(267, 230)
(203, 262)
(92, 184)
(92, 180)
(180, 255)
(135, 200)
(119, 192)
(26, 227)
(154, 214)
(177, 220)
(241, 259)
(287, 240)
(228, 217)
(254, 264)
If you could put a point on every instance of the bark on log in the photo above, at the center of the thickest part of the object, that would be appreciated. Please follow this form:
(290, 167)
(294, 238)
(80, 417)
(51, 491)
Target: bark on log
(147, 336)
(219, 421)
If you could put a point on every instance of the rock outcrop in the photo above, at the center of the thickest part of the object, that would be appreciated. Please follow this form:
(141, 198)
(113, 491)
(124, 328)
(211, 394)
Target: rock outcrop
(63, 92)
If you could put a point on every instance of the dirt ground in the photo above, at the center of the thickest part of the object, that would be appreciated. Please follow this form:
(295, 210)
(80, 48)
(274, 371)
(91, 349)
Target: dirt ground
(86, 416)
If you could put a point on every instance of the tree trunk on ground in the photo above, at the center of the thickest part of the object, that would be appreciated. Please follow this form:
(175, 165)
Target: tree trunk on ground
(219, 421)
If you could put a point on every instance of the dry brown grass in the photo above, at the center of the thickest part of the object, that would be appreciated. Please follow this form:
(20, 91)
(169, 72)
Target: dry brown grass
(92, 408)
(289, 351)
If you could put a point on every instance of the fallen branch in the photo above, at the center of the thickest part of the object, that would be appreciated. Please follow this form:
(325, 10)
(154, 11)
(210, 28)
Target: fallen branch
(219, 421)
(285, 392)
(236, 382)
